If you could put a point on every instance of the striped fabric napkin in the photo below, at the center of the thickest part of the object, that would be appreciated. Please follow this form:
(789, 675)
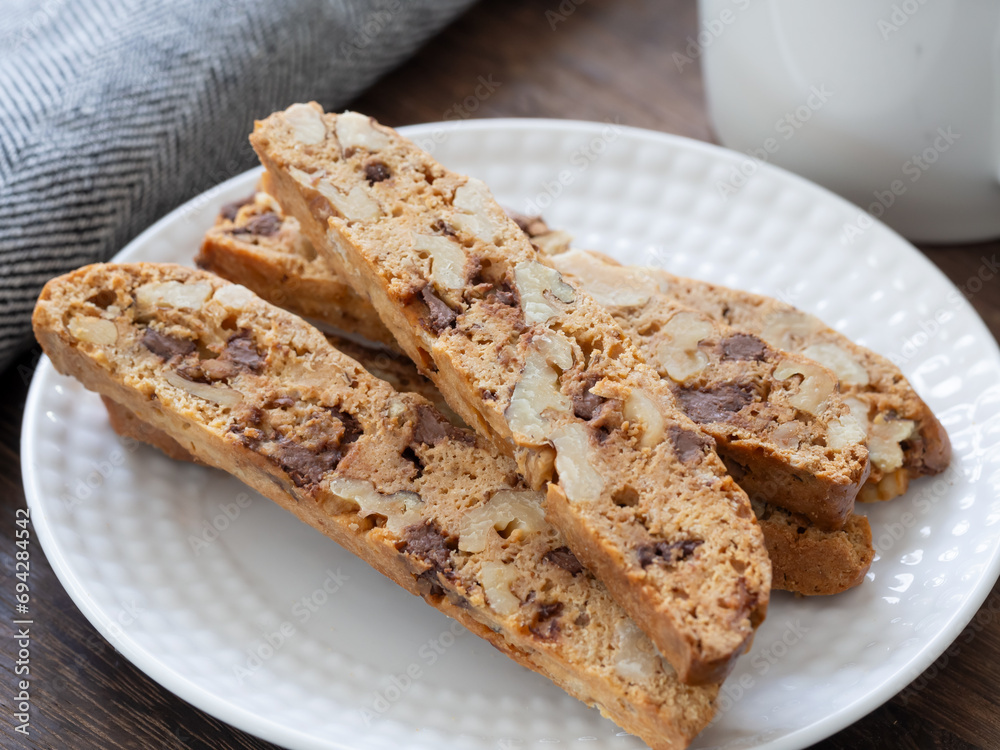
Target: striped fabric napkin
(113, 112)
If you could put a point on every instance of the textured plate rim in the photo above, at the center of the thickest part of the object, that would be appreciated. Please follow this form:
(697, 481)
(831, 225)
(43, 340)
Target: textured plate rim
(281, 734)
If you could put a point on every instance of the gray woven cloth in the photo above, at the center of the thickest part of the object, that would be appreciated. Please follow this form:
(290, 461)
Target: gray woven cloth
(113, 112)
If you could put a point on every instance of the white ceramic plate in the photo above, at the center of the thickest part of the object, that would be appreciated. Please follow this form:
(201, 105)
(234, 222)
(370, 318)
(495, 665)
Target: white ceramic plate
(240, 609)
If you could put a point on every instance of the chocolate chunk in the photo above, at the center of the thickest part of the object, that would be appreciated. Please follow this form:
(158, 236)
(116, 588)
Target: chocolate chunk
(431, 428)
(443, 227)
(263, 225)
(352, 427)
(582, 620)
(441, 316)
(241, 351)
(667, 553)
(376, 172)
(426, 542)
(585, 403)
(230, 210)
(561, 557)
(505, 294)
(546, 625)
(164, 346)
(743, 346)
(688, 444)
(530, 225)
(715, 404)
(304, 465)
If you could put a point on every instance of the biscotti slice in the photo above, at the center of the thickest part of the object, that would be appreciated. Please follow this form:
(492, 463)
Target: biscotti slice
(777, 418)
(255, 244)
(905, 439)
(812, 562)
(535, 364)
(804, 559)
(257, 392)
(794, 545)
(241, 247)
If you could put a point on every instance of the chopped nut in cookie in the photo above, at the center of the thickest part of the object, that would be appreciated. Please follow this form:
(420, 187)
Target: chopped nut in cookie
(537, 285)
(506, 513)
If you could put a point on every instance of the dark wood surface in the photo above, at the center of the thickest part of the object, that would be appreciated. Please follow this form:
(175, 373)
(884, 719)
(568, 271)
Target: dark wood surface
(604, 59)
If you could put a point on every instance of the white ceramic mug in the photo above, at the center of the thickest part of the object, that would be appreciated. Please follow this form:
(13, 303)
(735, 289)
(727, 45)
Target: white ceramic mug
(894, 104)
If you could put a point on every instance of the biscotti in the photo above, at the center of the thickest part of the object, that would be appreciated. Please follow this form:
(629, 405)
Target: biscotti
(905, 439)
(772, 433)
(532, 362)
(794, 545)
(257, 392)
(243, 234)
(777, 418)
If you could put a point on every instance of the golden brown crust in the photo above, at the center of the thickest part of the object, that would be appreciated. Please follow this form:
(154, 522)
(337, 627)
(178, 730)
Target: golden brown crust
(127, 424)
(537, 366)
(903, 433)
(241, 248)
(777, 418)
(811, 562)
(257, 392)
(841, 566)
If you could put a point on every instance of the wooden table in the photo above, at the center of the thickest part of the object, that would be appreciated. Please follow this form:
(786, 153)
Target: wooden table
(593, 60)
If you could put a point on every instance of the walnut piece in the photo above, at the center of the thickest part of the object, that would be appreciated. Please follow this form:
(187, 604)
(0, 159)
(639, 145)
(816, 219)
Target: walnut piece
(636, 659)
(893, 484)
(844, 432)
(401, 509)
(574, 461)
(447, 259)
(552, 243)
(93, 330)
(217, 394)
(641, 411)
(847, 369)
(496, 579)
(234, 297)
(787, 435)
(172, 294)
(510, 510)
(556, 349)
(677, 352)
(534, 281)
(306, 124)
(787, 329)
(536, 393)
(355, 130)
(817, 384)
(884, 438)
(357, 205)
(611, 285)
(473, 201)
